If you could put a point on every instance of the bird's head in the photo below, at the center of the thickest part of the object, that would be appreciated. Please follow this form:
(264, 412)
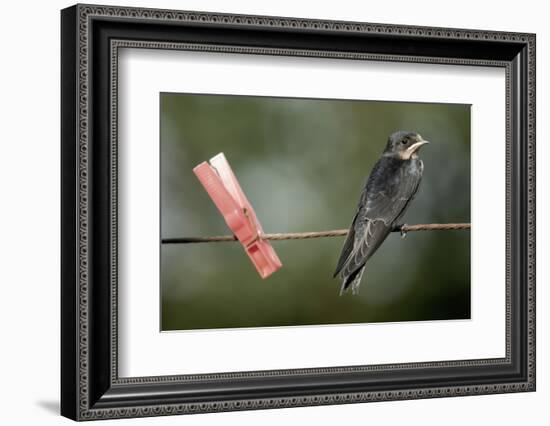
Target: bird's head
(404, 145)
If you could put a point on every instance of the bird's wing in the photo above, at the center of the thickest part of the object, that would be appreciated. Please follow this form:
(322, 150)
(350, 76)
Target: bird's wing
(374, 234)
(347, 248)
(355, 228)
(383, 208)
(388, 205)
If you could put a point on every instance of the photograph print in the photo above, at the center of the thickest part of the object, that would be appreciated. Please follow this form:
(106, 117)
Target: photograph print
(353, 190)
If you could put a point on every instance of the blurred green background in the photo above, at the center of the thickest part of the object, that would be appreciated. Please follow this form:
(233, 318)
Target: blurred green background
(302, 164)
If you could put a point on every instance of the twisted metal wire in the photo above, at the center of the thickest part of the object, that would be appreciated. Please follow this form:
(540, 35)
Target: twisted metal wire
(319, 234)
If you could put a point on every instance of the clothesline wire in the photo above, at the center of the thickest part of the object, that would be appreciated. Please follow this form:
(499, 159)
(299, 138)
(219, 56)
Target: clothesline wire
(318, 234)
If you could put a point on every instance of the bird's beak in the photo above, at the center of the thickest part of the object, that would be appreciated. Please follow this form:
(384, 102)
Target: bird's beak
(416, 146)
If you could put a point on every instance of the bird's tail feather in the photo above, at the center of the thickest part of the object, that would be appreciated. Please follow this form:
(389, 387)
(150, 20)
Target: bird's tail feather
(352, 281)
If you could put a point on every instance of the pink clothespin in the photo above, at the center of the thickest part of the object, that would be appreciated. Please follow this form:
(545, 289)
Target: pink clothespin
(226, 193)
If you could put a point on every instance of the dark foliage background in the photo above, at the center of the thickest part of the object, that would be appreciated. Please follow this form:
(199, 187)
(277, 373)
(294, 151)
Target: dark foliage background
(302, 164)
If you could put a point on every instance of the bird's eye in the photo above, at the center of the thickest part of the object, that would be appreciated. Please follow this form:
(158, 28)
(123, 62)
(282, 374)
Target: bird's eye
(404, 141)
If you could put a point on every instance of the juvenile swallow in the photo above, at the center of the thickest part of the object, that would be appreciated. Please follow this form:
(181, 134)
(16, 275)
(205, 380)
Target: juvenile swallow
(391, 186)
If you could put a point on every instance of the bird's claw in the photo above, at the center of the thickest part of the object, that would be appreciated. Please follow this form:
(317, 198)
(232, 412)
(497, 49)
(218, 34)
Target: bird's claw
(403, 231)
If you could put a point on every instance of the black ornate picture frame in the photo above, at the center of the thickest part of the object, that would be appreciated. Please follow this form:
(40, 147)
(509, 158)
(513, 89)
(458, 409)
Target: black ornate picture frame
(90, 384)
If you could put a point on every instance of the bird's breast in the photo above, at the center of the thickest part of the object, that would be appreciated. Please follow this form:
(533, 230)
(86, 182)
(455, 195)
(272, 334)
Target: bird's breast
(414, 167)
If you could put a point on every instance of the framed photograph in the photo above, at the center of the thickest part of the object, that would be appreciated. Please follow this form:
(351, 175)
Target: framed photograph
(263, 212)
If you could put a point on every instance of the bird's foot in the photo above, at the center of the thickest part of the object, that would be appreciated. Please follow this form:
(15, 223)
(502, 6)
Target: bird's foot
(402, 231)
